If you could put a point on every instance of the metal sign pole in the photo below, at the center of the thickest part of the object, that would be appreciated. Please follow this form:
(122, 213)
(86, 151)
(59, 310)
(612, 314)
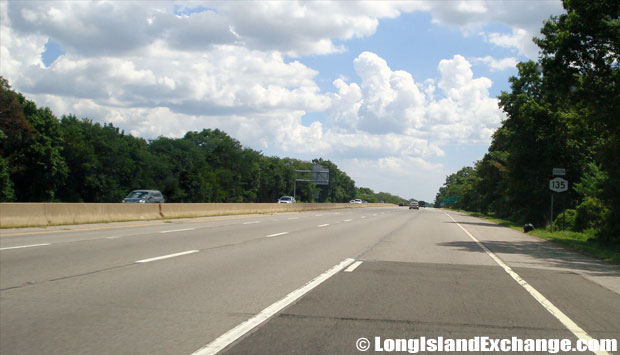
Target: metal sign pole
(552, 212)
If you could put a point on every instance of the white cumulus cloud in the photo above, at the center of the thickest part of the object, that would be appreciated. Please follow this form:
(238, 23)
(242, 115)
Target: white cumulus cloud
(168, 67)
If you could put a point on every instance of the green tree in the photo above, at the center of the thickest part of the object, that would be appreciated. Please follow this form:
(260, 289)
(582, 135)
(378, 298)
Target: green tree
(7, 191)
(236, 169)
(580, 58)
(104, 163)
(31, 148)
(366, 194)
(182, 170)
(276, 179)
(457, 190)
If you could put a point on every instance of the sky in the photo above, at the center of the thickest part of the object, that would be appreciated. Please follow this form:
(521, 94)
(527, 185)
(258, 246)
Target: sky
(397, 94)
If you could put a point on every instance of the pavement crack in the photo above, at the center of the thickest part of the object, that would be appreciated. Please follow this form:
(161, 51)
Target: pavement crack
(33, 283)
(415, 322)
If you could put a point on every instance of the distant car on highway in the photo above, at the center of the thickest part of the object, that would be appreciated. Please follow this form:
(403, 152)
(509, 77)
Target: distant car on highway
(144, 196)
(287, 199)
(357, 200)
(414, 206)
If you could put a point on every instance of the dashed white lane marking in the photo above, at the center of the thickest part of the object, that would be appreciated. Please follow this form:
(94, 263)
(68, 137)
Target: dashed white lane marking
(113, 237)
(348, 220)
(275, 235)
(253, 222)
(240, 330)
(178, 230)
(550, 307)
(293, 218)
(167, 256)
(363, 217)
(323, 225)
(353, 266)
(26, 246)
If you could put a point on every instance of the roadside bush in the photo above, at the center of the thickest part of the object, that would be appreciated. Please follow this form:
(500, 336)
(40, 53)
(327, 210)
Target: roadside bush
(590, 214)
(565, 220)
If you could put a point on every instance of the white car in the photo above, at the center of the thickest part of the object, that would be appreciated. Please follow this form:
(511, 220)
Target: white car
(356, 201)
(287, 199)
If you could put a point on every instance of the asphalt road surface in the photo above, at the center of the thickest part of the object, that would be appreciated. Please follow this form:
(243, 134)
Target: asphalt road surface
(307, 283)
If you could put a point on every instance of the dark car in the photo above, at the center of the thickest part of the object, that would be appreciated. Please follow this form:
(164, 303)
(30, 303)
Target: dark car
(144, 196)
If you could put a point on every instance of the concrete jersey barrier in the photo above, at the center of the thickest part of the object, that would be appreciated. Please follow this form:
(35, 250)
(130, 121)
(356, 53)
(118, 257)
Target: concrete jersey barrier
(13, 215)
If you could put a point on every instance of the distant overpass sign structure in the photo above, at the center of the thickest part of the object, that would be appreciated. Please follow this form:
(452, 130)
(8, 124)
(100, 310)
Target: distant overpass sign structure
(319, 175)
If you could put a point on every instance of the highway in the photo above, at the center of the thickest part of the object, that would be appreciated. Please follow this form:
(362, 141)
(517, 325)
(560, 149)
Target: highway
(309, 283)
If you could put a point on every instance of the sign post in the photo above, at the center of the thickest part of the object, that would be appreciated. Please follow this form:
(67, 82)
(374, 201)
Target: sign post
(557, 184)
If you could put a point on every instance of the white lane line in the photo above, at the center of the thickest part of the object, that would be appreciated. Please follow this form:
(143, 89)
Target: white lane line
(275, 235)
(348, 220)
(115, 237)
(363, 217)
(167, 256)
(317, 215)
(26, 246)
(293, 218)
(353, 266)
(323, 225)
(550, 307)
(253, 222)
(240, 330)
(178, 230)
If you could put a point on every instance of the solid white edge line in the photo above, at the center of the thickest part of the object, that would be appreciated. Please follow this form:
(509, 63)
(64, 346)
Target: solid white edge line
(26, 246)
(550, 307)
(237, 332)
(353, 266)
(178, 230)
(275, 235)
(167, 256)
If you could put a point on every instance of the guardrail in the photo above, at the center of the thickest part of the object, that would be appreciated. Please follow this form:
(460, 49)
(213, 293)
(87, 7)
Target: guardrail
(13, 215)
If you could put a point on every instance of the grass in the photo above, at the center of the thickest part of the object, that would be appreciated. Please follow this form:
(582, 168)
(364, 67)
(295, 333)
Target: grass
(582, 242)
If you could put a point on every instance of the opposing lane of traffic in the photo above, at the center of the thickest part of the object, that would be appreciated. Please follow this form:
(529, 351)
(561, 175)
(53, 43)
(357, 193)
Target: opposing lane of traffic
(178, 304)
(98, 250)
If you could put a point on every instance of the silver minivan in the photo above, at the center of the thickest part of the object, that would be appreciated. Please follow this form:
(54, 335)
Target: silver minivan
(287, 199)
(144, 196)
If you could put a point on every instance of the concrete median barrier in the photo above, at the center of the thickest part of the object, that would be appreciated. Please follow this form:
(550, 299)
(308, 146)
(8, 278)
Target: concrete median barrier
(13, 215)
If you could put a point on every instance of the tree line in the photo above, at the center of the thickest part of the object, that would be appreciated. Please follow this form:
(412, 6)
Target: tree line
(563, 111)
(46, 159)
